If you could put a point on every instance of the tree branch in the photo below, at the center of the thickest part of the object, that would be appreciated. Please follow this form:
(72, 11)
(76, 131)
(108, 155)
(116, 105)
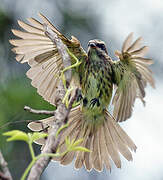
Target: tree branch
(35, 111)
(60, 115)
(5, 174)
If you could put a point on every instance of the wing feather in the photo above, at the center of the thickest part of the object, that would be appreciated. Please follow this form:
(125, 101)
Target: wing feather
(36, 48)
(131, 76)
(30, 28)
(135, 45)
(25, 42)
(29, 35)
(127, 42)
(45, 20)
(35, 23)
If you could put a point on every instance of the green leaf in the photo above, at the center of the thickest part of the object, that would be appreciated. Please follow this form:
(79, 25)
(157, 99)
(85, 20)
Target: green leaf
(67, 141)
(72, 142)
(58, 150)
(38, 135)
(76, 143)
(80, 148)
(16, 135)
(10, 133)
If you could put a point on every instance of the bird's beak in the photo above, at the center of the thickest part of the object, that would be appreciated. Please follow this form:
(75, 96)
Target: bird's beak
(91, 44)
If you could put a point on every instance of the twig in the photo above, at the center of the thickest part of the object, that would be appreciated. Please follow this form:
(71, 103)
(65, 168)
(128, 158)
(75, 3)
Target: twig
(5, 174)
(60, 115)
(27, 108)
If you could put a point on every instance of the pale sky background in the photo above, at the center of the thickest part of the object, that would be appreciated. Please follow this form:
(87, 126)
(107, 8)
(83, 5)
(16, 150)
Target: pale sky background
(117, 19)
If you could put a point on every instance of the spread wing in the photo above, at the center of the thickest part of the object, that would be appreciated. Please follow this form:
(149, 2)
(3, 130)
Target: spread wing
(42, 55)
(131, 75)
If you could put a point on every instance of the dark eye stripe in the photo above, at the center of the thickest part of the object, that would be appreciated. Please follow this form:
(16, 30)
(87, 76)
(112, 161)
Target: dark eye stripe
(101, 46)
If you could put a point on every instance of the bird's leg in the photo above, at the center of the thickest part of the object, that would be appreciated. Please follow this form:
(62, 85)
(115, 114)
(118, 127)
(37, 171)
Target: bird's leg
(68, 91)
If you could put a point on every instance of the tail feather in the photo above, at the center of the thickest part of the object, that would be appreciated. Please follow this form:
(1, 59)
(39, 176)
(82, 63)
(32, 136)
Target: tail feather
(41, 124)
(73, 132)
(40, 141)
(87, 155)
(106, 141)
(75, 135)
(70, 131)
(80, 156)
(123, 135)
(45, 125)
(121, 146)
(96, 154)
(104, 152)
(111, 147)
(68, 158)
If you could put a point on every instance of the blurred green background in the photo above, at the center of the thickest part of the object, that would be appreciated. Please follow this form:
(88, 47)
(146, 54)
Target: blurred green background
(110, 21)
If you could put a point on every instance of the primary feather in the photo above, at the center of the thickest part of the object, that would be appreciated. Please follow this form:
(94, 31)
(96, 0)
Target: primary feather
(131, 75)
(42, 55)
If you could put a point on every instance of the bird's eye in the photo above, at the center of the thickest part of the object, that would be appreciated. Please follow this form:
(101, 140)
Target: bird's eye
(101, 46)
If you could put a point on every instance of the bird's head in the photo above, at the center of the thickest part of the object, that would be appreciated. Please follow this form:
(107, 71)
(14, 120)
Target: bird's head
(98, 45)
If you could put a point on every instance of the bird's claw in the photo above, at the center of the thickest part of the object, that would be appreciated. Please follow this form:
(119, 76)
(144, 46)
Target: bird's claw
(94, 101)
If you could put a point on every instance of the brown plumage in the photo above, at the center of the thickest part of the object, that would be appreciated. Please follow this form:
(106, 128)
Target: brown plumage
(42, 55)
(106, 143)
(131, 77)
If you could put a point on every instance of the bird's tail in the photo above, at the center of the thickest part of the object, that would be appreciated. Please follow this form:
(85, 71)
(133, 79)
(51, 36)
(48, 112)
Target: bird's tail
(106, 142)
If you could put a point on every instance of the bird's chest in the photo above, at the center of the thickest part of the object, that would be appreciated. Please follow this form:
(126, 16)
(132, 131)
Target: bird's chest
(97, 85)
(93, 74)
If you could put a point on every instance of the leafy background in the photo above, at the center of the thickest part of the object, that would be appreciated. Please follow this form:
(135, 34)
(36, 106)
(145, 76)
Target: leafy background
(110, 21)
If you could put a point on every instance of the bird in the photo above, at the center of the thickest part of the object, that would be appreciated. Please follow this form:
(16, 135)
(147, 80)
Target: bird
(102, 81)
